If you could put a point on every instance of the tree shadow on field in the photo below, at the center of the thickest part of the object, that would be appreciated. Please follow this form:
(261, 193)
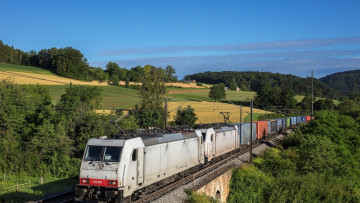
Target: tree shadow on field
(39, 191)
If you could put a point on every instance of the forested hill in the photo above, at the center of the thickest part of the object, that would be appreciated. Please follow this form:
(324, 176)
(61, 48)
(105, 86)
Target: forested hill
(71, 63)
(253, 80)
(343, 82)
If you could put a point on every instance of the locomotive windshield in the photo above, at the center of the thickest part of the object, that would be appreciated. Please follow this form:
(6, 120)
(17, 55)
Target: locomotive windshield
(102, 153)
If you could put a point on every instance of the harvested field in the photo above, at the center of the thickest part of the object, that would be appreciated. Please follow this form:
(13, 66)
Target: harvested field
(209, 112)
(187, 85)
(52, 79)
(32, 78)
(174, 84)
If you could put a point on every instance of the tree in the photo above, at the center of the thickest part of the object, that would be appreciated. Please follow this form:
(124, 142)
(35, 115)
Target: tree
(185, 116)
(305, 104)
(77, 108)
(266, 96)
(217, 92)
(152, 93)
(354, 96)
(127, 83)
(114, 70)
(323, 104)
(243, 87)
(170, 71)
(232, 84)
(350, 108)
(114, 80)
(287, 98)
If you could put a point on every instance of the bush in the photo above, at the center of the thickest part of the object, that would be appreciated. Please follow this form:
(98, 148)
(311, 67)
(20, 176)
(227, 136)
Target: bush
(185, 116)
(248, 184)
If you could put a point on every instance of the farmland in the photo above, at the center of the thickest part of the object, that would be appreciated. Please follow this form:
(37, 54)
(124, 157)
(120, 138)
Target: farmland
(179, 94)
(209, 112)
(113, 97)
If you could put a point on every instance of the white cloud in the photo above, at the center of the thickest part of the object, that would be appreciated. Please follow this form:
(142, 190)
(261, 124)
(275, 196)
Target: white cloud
(297, 57)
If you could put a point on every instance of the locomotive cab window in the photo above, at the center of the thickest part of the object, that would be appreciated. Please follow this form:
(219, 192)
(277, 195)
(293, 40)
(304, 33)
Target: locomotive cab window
(102, 153)
(134, 155)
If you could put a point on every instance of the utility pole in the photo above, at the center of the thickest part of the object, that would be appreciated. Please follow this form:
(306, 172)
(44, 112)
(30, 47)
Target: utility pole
(251, 129)
(166, 112)
(285, 120)
(240, 114)
(312, 94)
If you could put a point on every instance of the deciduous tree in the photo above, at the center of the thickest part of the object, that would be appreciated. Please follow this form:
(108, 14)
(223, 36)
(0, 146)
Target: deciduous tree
(185, 116)
(217, 92)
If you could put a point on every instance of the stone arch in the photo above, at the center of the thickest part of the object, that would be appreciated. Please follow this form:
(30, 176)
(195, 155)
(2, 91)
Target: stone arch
(217, 196)
(217, 191)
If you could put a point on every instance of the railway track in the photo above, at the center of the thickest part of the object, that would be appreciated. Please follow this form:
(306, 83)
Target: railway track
(62, 197)
(215, 168)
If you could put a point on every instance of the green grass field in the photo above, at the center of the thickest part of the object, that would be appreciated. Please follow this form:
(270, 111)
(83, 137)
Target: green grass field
(113, 97)
(27, 69)
(51, 185)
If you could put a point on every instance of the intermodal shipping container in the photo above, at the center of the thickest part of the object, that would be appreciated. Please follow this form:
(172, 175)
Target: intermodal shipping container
(303, 119)
(273, 126)
(244, 132)
(287, 122)
(292, 121)
(269, 127)
(279, 124)
(261, 129)
(308, 118)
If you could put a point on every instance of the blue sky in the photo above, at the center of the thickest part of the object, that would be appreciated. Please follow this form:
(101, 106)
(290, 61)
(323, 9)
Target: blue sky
(291, 37)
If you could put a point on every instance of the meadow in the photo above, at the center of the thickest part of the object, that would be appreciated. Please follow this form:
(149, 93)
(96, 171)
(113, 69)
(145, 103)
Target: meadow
(113, 97)
(51, 185)
(25, 69)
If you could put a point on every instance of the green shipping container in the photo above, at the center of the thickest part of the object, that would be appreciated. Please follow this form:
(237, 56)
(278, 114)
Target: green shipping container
(287, 122)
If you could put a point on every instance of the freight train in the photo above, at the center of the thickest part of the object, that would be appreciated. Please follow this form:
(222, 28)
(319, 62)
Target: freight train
(122, 170)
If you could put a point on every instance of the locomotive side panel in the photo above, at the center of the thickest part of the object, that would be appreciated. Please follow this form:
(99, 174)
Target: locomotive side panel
(164, 160)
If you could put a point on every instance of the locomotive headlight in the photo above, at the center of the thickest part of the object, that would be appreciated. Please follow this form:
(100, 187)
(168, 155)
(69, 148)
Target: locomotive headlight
(112, 182)
(85, 181)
